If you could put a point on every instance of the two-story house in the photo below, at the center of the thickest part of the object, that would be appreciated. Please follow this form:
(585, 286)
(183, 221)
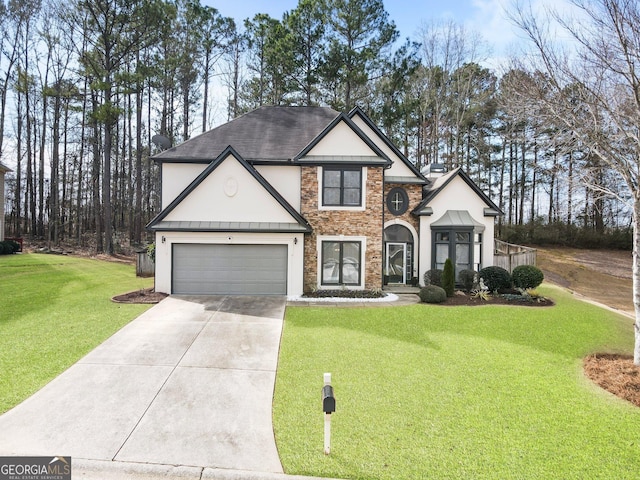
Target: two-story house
(286, 200)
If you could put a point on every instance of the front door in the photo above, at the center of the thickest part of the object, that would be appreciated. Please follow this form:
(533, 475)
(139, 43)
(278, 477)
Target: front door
(396, 262)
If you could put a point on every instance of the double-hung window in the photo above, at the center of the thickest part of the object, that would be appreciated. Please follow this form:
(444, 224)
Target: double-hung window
(340, 263)
(341, 187)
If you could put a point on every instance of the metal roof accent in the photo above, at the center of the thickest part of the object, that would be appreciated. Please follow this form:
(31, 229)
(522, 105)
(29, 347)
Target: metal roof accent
(458, 218)
(340, 159)
(490, 212)
(406, 180)
(426, 211)
(256, 227)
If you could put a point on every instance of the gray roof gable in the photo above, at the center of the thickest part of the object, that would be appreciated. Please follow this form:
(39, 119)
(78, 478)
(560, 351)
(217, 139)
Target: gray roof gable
(158, 224)
(267, 134)
(419, 177)
(438, 184)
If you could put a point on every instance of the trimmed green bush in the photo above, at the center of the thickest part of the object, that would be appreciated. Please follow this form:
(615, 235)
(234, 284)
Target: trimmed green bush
(432, 294)
(433, 277)
(151, 252)
(448, 278)
(7, 247)
(495, 278)
(527, 276)
(468, 279)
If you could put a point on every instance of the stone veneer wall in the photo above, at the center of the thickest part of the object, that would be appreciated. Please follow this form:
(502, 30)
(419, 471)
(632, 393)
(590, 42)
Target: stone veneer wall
(415, 197)
(366, 223)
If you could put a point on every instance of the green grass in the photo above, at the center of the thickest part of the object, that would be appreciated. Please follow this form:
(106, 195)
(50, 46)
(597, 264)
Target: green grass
(53, 310)
(427, 391)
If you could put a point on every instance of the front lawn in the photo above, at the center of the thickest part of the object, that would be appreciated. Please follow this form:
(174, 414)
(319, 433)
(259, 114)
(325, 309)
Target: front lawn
(429, 391)
(53, 310)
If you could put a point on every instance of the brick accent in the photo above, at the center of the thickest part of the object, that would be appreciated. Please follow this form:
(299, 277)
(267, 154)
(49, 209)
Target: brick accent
(367, 223)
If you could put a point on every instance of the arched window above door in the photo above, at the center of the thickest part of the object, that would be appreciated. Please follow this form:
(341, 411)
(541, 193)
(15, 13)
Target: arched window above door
(397, 233)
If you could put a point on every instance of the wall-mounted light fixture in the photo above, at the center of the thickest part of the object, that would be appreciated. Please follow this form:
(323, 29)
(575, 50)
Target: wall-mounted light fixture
(295, 240)
(164, 239)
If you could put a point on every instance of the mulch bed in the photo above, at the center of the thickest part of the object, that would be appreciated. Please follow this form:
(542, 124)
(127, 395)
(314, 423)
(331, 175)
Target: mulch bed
(147, 295)
(462, 299)
(615, 373)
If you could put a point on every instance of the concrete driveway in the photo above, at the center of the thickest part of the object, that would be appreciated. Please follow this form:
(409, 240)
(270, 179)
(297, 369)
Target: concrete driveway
(184, 391)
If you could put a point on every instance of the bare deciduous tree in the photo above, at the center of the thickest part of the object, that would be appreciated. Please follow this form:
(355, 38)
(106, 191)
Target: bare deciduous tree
(595, 93)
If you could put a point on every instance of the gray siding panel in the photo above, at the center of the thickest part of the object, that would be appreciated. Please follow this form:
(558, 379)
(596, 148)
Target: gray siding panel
(207, 269)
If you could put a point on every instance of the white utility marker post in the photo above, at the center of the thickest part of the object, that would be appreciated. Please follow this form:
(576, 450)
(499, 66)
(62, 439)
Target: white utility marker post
(328, 406)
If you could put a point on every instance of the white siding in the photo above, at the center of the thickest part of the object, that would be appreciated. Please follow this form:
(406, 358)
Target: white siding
(176, 177)
(286, 180)
(398, 168)
(230, 194)
(457, 195)
(341, 141)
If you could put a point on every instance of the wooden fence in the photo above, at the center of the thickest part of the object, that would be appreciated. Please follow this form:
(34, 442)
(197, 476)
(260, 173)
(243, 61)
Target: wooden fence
(145, 267)
(509, 256)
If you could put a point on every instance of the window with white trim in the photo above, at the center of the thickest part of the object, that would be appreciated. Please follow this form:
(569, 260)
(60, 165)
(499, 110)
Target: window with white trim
(341, 186)
(340, 262)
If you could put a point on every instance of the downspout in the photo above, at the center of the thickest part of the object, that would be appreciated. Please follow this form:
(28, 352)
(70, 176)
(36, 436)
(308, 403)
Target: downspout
(382, 256)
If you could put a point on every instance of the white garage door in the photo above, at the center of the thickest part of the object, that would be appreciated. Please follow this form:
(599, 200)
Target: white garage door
(200, 269)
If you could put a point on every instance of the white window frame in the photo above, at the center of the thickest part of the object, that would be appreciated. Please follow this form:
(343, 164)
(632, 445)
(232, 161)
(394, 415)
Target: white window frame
(363, 256)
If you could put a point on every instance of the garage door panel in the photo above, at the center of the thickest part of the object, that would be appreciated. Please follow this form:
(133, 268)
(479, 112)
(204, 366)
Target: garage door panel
(229, 269)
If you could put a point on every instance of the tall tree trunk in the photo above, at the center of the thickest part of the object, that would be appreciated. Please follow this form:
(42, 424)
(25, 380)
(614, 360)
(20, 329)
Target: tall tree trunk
(511, 178)
(570, 191)
(106, 175)
(43, 146)
(205, 98)
(523, 175)
(534, 181)
(137, 215)
(636, 276)
(18, 193)
(95, 178)
(54, 217)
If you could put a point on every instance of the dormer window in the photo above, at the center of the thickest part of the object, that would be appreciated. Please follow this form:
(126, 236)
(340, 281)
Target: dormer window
(341, 187)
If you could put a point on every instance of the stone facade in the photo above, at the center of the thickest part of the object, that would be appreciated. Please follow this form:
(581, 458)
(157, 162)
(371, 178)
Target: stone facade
(414, 192)
(367, 223)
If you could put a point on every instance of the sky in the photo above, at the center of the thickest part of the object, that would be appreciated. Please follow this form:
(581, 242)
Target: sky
(486, 17)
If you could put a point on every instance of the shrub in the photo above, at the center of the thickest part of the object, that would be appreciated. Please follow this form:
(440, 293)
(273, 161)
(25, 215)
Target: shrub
(2, 252)
(448, 278)
(467, 279)
(495, 278)
(432, 294)
(11, 246)
(151, 252)
(433, 277)
(527, 277)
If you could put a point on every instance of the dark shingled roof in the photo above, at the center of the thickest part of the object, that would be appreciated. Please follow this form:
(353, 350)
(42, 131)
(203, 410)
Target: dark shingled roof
(267, 134)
